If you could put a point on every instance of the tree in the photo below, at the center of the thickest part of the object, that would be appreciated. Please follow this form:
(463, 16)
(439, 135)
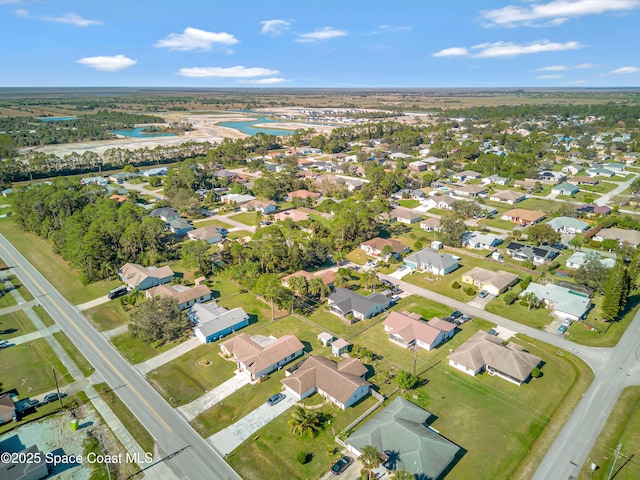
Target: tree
(318, 288)
(406, 380)
(577, 241)
(370, 458)
(529, 300)
(387, 251)
(509, 297)
(299, 285)
(593, 273)
(158, 321)
(369, 279)
(543, 233)
(195, 254)
(463, 209)
(609, 244)
(403, 475)
(614, 291)
(452, 229)
(343, 276)
(304, 422)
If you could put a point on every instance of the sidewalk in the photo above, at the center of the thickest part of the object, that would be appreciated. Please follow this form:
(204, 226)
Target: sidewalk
(15, 308)
(114, 332)
(93, 303)
(30, 337)
(209, 399)
(166, 357)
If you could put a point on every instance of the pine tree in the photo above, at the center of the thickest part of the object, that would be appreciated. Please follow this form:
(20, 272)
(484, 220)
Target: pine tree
(615, 291)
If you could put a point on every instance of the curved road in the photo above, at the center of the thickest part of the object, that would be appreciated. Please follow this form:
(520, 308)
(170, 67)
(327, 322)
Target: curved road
(190, 456)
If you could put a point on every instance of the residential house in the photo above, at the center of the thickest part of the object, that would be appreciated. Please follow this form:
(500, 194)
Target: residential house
(466, 175)
(493, 282)
(495, 180)
(325, 338)
(300, 273)
(122, 177)
(565, 189)
(487, 210)
(141, 278)
(342, 383)
(507, 196)
(551, 178)
(183, 295)
(432, 224)
(375, 246)
(537, 255)
(524, 217)
(35, 468)
(428, 260)
(294, 215)
(481, 241)
(339, 347)
(302, 195)
(578, 259)
(103, 182)
(404, 215)
(414, 194)
(572, 169)
(210, 233)
(600, 172)
(155, 172)
(237, 198)
(484, 352)
(166, 214)
(563, 302)
(409, 330)
(259, 206)
(617, 168)
(568, 225)
(258, 356)
(591, 209)
(583, 180)
(403, 428)
(418, 166)
(527, 183)
(212, 322)
(344, 302)
(470, 191)
(7, 409)
(631, 237)
(180, 226)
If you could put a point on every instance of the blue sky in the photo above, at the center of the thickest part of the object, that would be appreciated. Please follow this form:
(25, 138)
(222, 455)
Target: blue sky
(347, 43)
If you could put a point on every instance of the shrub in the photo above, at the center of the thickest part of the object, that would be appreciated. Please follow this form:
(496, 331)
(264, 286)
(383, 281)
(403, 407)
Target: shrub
(302, 457)
(536, 373)
(470, 291)
(525, 282)
(455, 285)
(509, 297)
(406, 380)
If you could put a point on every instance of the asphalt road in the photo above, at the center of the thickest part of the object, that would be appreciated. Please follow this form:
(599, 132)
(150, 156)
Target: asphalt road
(190, 456)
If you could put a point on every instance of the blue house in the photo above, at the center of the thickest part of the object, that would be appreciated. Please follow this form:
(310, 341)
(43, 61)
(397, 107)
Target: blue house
(180, 226)
(565, 189)
(212, 322)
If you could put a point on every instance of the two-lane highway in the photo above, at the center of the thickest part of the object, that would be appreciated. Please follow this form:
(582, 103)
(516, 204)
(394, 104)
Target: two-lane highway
(191, 456)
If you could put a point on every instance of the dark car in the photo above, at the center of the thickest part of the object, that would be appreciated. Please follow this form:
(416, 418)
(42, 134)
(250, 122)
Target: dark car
(275, 399)
(52, 397)
(483, 293)
(386, 282)
(341, 465)
(561, 330)
(456, 314)
(493, 332)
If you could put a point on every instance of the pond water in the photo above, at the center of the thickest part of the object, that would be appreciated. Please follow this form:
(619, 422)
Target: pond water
(138, 133)
(246, 127)
(55, 119)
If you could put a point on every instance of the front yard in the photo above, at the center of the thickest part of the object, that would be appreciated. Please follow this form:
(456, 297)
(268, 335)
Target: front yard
(15, 324)
(107, 316)
(248, 218)
(136, 350)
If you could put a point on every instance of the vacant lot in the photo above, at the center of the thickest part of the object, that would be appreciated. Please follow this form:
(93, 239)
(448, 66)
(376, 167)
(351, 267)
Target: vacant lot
(107, 316)
(248, 218)
(137, 350)
(15, 324)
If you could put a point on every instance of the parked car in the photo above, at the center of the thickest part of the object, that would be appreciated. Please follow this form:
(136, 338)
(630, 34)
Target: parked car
(3, 344)
(561, 330)
(456, 314)
(483, 293)
(464, 318)
(275, 399)
(567, 322)
(402, 267)
(341, 464)
(386, 282)
(493, 332)
(52, 397)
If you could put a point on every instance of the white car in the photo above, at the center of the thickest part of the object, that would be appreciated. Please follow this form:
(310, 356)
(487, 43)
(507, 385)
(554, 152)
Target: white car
(567, 322)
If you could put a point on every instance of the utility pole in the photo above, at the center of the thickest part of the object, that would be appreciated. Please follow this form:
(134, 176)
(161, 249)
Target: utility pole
(415, 357)
(55, 378)
(615, 459)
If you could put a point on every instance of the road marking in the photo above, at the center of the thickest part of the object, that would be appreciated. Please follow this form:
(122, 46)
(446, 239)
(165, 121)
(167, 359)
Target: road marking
(106, 360)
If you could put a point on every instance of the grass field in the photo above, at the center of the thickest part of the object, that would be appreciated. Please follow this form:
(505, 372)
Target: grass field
(239, 234)
(547, 206)
(107, 316)
(536, 317)
(409, 203)
(27, 368)
(15, 324)
(79, 359)
(498, 222)
(136, 350)
(212, 221)
(135, 428)
(44, 316)
(40, 253)
(248, 218)
(358, 256)
(622, 427)
(26, 294)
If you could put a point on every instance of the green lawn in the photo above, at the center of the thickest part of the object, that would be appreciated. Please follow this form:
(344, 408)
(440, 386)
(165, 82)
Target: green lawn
(136, 350)
(438, 211)
(292, 325)
(40, 253)
(622, 427)
(6, 300)
(134, 427)
(107, 316)
(248, 218)
(26, 294)
(79, 359)
(409, 203)
(358, 256)
(325, 221)
(15, 324)
(44, 316)
(190, 375)
(72, 401)
(602, 187)
(547, 206)
(250, 304)
(498, 222)
(239, 234)
(30, 366)
(223, 287)
(214, 221)
(536, 317)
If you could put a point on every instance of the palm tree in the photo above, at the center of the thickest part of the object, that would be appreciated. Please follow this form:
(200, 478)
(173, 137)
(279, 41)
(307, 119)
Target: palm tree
(342, 278)
(299, 285)
(304, 422)
(403, 475)
(338, 257)
(370, 279)
(319, 288)
(370, 458)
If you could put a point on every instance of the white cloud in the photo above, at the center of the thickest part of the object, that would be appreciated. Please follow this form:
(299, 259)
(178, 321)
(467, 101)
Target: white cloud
(265, 81)
(226, 72)
(196, 39)
(108, 64)
(545, 77)
(553, 13)
(506, 49)
(585, 65)
(625, 70)
(552, 68)
(392, 29)
(325, 33)
(452, 52)
(67, 18)
(274, 27)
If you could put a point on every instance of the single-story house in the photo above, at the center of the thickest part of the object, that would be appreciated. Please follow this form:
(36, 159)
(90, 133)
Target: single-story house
(481, 241)
(103, 182)
(590, 209)
(584, 180)
(631, 237)
(237, 198)
(526, 184)
(34, 469)
(600, 172)
(495, 180)
(122, 177)
(487, 210)
(572, 169)
(300, 273)
(259, 206)
(428, 260)
(493, 282)
(563, 302)
(431, 224)
(302, 195)
(568, 225)
(418, 166)
(257, 355)
(486, 352)
(180, 226)
(343, 302)
(565, 189)
(184, 295)
(375, 246)
(341, 383)
(7, 408)
(578, 259)
(553, 178)
(212, 322)
(466, 175)
(403, 428)
(409, 330)
(507, 196)
(404, 215)
(524, 217)
(471, 191)
(294, 215)
(339, 347)
(155, 172)
(414, 194)
(617, 168)
(210, 233)
(141, 278)
(537, 255)
(166, 214)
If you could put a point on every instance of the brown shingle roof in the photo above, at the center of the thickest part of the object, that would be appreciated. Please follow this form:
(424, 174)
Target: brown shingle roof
(256, 357)
(135, 274)
(182, 295)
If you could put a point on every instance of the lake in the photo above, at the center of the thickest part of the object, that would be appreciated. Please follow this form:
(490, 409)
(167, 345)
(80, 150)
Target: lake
(138, 133)
(246, 127)
(56, 119)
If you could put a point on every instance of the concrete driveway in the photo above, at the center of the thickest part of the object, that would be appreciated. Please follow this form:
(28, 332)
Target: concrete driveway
(480, 302)
(209, 399)
(225, 441)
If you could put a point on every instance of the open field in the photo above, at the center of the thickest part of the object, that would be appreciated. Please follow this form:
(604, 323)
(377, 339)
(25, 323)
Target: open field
(622, 428)
(15, 324)
(136, 350)
(107, 316)
(248, 218)
(211, 221)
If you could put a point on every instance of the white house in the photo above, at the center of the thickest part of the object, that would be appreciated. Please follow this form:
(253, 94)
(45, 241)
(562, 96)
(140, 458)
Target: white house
(408, 330)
